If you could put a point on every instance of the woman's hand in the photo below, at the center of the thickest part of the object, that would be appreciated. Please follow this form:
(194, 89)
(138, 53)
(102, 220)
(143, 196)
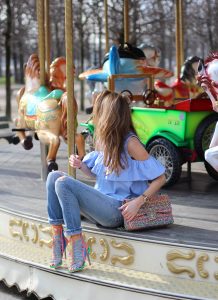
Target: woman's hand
(130, 208)
(75, 161)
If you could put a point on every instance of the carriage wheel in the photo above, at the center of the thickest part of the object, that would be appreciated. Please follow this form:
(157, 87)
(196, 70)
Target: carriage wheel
(210, 170)
(203, 134)
(164, 151)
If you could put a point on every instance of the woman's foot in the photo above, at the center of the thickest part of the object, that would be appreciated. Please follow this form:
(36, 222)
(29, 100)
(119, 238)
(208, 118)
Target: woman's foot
(78, 253)
(59, 243)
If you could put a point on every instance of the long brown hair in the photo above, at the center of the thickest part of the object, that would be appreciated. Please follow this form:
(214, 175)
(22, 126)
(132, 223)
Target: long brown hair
(112, 120)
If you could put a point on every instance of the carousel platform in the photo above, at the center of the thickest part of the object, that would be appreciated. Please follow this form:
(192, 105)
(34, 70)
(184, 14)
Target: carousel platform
(176, 262)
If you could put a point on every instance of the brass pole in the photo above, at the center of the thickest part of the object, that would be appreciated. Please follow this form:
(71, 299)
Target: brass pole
(70, 81)
(126, 21)
(41, 53)
(181, 32)
(179, 37)
(47, 38)
(106, 26)
(41, 39)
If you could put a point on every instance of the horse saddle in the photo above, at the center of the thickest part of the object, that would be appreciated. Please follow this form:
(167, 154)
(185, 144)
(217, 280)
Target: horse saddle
(42, 94)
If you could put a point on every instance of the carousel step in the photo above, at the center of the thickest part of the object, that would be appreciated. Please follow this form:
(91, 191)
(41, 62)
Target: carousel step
(125, 265)
(27, 267)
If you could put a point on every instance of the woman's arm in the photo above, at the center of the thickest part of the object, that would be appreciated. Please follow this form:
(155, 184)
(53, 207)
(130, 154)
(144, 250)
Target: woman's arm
(75, 162)
(138, 152)
(130, 209)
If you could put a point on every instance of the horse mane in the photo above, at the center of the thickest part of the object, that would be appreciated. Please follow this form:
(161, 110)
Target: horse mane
(58, 73)
(32, 67)
(211, 57)
(187, 71)
(64, 115)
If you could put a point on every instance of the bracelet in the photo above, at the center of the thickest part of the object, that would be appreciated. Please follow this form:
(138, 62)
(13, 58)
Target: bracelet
(145, 198)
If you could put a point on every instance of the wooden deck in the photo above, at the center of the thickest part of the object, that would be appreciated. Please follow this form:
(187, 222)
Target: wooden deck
(176, 262)
(195, 202)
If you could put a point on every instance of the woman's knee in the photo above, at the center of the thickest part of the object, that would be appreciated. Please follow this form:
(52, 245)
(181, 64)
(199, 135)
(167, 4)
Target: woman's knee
(65, 183)
(52, 177)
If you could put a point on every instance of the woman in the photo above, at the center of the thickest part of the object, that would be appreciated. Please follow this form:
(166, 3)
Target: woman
(122, 168)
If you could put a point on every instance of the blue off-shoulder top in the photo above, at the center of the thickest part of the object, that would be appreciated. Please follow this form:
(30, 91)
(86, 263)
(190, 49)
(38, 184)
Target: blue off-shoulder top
(131, 181)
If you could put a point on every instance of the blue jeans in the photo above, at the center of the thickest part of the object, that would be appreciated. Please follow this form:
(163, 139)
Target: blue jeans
(68, 198)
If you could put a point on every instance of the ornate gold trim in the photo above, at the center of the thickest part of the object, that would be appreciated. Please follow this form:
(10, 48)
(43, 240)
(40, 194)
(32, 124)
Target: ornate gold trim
(36, 234)
(178, 270)
(48, 230)
(200, 265)
(176, 254)
(25, 226)
(12, 223)
(125, 260)
(216, 273)
(174, 268)
(106, 250)
(91, 240)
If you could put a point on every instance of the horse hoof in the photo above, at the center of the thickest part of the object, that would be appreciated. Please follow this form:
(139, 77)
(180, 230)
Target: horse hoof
(27, 143)
(52, 166)
(15, 140)
(36, 136)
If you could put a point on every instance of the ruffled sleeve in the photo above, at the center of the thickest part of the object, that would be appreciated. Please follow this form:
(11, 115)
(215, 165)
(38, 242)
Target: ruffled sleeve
(90, 158)
(139, 170)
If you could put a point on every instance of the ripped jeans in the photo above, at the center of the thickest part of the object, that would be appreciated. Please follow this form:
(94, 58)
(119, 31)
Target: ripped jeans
(69, 198)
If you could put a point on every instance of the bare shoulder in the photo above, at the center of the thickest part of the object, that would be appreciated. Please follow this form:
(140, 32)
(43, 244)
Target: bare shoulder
(136, 150)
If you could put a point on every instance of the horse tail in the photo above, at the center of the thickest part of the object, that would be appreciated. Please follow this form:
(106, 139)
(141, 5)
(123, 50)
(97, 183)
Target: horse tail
(63, 104)
(20, 94)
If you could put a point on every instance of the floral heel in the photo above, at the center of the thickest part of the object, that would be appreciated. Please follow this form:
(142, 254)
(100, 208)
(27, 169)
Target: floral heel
(79, 252)
(59, 244)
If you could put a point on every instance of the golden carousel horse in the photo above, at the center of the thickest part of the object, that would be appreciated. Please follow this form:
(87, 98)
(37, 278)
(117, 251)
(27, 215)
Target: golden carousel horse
(43, 109)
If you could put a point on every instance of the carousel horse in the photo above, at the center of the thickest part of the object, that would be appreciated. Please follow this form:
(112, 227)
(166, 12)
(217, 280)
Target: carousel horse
(185, 87)
(125, 60)
(152, 54)
(43, 109)
(208, 79)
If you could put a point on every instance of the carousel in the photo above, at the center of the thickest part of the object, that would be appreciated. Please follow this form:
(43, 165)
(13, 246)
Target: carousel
(179, 261)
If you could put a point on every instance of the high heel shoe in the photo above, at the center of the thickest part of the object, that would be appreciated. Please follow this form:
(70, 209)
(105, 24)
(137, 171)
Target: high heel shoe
(79, 252)
(59, 244)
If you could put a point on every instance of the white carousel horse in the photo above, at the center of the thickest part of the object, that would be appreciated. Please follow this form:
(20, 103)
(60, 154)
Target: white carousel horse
(208, 78)
(43, 109)
(152, 54)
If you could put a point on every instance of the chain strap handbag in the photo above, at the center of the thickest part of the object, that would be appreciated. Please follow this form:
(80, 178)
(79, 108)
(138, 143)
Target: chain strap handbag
(156, 212)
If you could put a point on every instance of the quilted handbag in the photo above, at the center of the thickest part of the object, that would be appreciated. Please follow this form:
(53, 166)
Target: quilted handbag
(156, 212)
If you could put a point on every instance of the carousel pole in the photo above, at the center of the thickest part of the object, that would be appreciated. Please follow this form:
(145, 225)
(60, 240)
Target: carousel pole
(70, 81)
(126, 21)
(106, 26)
(179, 37)
(47, 38)
(41, 51)
(41, 39)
